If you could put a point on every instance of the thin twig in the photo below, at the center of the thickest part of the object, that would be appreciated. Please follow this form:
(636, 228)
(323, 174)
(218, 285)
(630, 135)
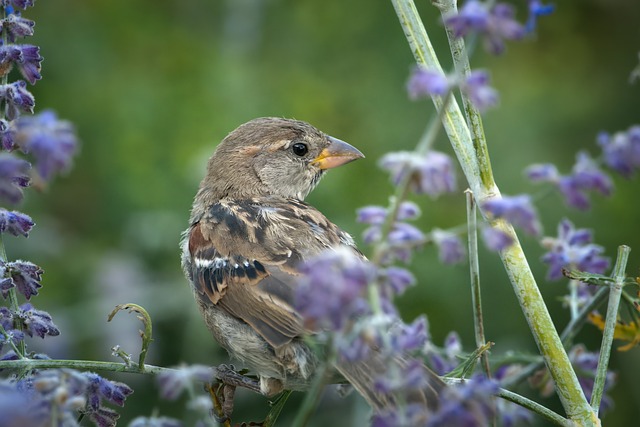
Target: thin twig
(615, 294)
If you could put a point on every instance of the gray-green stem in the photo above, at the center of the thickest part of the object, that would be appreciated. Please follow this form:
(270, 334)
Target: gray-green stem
(90, 365)
(474, 269)
(615, 293)
(480, 179)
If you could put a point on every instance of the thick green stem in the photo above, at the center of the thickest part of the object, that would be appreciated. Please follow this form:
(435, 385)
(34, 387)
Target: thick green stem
(29, 364)
(478, 176)
(615, 294)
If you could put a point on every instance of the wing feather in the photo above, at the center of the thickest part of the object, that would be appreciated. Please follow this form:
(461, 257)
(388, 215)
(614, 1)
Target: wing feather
(244, 258)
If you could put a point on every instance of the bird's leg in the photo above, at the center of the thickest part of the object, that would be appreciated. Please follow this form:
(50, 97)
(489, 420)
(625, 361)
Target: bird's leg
(227, 375)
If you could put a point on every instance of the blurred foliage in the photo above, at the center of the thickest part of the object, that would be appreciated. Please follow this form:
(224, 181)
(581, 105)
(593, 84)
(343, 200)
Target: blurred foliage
(153, 85)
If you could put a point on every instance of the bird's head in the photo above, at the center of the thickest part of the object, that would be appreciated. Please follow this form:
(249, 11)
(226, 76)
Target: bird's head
(273, 157)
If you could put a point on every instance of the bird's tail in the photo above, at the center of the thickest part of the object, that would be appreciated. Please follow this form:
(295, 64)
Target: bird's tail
(362, 375)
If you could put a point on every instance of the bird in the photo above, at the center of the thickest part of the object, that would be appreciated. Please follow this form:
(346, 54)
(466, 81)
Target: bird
(249, 231)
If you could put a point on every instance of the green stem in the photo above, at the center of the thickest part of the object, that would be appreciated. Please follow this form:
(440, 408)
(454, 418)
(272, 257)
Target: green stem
(535, 407)
(30, 364)
(480, 181)
(311, 397)
(474, 268)
(460, 56)
(615, 294)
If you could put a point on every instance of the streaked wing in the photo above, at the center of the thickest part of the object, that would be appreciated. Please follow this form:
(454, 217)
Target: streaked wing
(244, 256)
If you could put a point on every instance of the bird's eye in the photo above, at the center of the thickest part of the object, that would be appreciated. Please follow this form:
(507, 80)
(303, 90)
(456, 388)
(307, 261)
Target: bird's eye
(299, 149)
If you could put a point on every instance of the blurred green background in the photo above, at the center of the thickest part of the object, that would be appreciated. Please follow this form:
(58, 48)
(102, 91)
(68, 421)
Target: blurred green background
(152, 86)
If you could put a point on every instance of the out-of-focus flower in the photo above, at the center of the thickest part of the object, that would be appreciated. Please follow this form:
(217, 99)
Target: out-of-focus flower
(52, 142)
(625, 331)
(15, 223)
(173, 383)
(22, 4)
(155, 422)
(494, 239)
(469, 404)
(410, 376)
(397, 279)
(450, 247)
(13, 177)
(573, 249)
(518, 210)
(621, 150)
(331, 288)
(58, 396)
(446, 361)
(585, 176)
(536, 10)
(494, 22)
(424, 82)
(432, 174)
(481, 95)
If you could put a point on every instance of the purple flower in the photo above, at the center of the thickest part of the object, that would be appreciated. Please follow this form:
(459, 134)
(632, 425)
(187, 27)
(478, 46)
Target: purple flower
(24, 275)
(573, 249)
(410, 376)
(15, 223)
(495, 25)
(27, 57)
(397, 279)
(373, 215)
(13, 177)
(408, 211)
(51, 141)
(99, 388)
(469, 404)
(6, 135)
(36, 322)
(407, 338)
(16, 26)
(518, 210)
(405, 235)
(432, 174)
(621, 150)
(496, 240)
(412, 414)
(16, 98)
(424, 82)
(22, 4)
(544, 172)
(481, 95)
(537, 9)
(585, 176)
(154, 422)
(20, 407)
(331, 287)
(450, 248)
(173, 383)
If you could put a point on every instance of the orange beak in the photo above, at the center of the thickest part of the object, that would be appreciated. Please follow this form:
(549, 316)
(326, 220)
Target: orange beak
(336, 154)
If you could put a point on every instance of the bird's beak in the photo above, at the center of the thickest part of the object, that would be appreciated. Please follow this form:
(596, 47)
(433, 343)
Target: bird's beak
(336, 154)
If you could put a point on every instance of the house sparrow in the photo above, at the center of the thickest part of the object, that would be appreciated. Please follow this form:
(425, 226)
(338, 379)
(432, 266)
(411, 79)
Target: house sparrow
(249, 231)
